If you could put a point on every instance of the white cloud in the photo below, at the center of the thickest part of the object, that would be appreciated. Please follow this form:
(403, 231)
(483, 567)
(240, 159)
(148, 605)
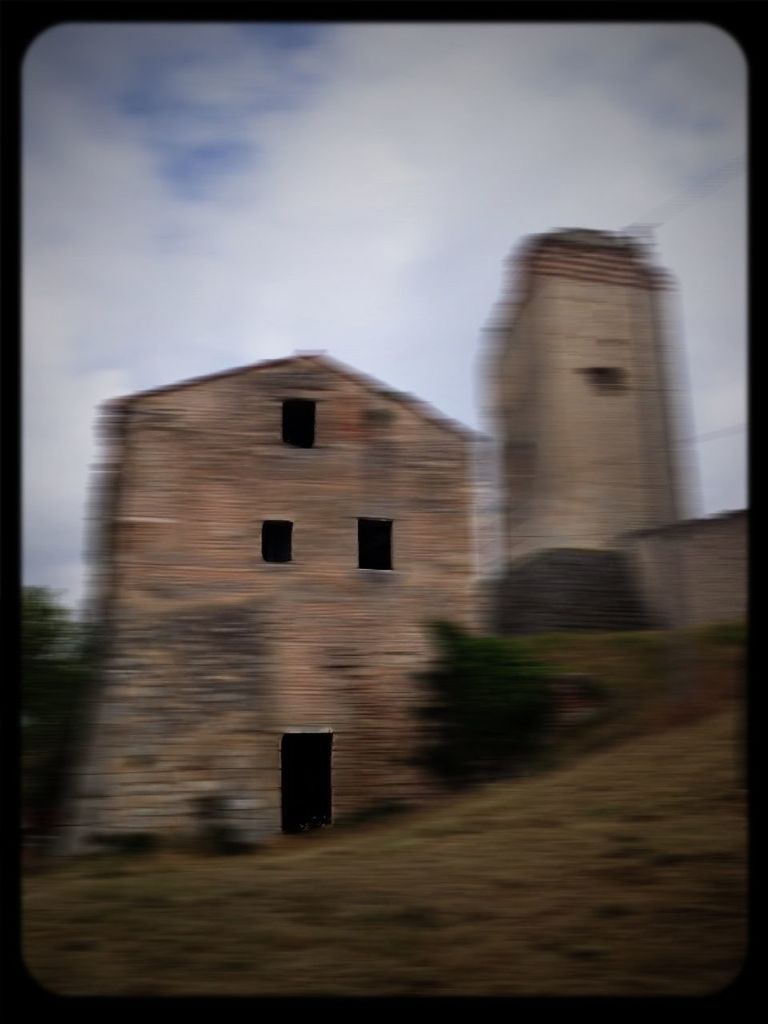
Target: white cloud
(393, 168)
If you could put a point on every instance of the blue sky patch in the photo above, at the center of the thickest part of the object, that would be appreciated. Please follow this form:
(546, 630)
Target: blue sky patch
(194, 171)
(195, 135)
(287, 35)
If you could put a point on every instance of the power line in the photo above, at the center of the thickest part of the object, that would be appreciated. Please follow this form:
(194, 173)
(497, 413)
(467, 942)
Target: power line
(715, 433)
(724, 431)
(671, 207)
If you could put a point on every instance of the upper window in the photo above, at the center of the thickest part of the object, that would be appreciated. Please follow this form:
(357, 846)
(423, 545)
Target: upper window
(374, 543)
(276, 540)
(299, 422)
(606, 378)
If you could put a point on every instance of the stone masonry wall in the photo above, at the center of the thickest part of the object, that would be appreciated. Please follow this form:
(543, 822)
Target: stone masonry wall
(568, 591)
(583, 462)
(216, 653)
(695, 572)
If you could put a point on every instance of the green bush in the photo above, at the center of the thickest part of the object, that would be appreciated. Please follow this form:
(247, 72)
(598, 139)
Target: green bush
(726, 634)
(57, 658)
(374, 813)
(130, 843)
(490, 705)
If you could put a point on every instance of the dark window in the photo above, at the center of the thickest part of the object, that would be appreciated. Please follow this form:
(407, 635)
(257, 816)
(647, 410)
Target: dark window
(299, 422)
(606, 378)
(276, 540)
(374, 543)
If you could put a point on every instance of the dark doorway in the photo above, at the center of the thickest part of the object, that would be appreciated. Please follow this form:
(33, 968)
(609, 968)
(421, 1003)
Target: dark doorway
(306, 780)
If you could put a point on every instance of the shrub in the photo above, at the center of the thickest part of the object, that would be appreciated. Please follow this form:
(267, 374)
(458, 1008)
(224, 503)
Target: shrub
(726, 634)
(383, 811)
(490, 705)
(129, 843)
(57, 661)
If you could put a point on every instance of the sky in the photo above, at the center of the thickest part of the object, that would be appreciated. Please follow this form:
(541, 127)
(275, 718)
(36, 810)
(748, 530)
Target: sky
(198, 197)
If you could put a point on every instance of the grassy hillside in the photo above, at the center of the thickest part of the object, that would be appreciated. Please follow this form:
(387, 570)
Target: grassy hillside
(621, 874)
(650, 680)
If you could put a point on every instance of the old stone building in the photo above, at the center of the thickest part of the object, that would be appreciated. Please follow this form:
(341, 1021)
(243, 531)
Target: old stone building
(580, 391)
(273, 543)
(273, 540)
(694, 572)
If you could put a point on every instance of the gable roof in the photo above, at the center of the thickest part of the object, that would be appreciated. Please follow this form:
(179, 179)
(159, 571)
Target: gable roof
(381, 390)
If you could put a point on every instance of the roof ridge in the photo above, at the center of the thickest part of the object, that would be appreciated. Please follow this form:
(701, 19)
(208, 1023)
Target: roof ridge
(418, 405)
(205, 377)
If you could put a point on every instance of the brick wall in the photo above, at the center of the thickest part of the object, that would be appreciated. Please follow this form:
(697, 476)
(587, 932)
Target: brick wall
(215, 653)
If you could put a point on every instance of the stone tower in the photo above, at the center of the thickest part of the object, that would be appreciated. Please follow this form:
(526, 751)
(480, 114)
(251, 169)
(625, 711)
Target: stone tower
(580, 394)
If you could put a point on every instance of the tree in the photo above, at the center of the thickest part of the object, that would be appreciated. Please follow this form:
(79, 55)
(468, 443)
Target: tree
(56, 665)
(490, 705)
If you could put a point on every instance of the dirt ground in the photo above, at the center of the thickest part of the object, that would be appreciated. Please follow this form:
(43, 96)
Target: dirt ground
(623, 874)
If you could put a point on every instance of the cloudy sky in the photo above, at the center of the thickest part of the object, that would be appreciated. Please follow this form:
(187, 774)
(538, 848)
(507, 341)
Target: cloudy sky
(198, 197)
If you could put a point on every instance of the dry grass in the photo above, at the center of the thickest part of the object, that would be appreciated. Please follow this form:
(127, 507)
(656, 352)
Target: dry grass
(623, 874)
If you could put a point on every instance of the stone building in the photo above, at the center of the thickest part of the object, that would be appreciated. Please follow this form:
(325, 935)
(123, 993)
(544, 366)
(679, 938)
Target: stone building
(580, 394)
(694, 572)
(273, 541)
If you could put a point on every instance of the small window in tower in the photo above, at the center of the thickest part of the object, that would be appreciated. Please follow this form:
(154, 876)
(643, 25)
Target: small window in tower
(606, 378)
(299, 422)
(276, 540)
(374, 543)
